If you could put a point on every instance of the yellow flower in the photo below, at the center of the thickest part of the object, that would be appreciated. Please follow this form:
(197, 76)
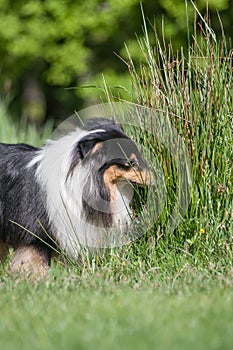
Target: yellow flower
(202, 230)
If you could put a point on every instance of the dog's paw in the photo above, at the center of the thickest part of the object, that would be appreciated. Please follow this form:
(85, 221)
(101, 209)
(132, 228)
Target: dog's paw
(28, 261)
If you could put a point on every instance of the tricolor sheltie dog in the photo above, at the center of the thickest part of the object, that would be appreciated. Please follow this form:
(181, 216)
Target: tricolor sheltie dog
(70, 193)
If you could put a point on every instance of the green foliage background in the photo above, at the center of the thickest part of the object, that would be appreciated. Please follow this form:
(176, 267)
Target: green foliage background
(70, 43)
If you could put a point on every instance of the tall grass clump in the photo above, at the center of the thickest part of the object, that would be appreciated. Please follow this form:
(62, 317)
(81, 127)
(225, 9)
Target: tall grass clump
(194, 88)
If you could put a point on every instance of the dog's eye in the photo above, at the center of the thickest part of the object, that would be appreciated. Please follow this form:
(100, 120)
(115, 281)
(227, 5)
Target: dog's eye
(131, 163)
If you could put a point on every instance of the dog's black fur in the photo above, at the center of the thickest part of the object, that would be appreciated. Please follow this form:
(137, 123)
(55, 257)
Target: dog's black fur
(21, 201)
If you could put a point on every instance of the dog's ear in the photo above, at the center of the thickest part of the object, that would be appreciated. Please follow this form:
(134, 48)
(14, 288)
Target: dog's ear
(84, 147)
(80, 152)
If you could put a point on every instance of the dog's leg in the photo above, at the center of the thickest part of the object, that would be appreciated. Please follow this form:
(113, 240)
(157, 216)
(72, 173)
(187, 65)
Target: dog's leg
(30, 260)
(3, 251)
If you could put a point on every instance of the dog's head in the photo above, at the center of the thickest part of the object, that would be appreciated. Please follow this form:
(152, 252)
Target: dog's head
(114, 156)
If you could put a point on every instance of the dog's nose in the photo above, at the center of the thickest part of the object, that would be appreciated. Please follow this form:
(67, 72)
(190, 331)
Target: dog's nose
(147, 177)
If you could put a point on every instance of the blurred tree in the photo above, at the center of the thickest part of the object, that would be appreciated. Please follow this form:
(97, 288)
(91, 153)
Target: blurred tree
(46, 46)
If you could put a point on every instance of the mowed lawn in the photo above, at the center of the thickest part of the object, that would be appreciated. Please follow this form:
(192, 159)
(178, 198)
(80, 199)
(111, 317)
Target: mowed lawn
(73, 312)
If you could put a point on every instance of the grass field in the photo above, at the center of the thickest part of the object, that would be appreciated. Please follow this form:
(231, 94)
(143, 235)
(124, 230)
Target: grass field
(168, 290)
(91, 312)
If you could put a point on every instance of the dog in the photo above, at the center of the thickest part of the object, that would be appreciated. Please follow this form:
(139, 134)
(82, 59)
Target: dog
(71, 192)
